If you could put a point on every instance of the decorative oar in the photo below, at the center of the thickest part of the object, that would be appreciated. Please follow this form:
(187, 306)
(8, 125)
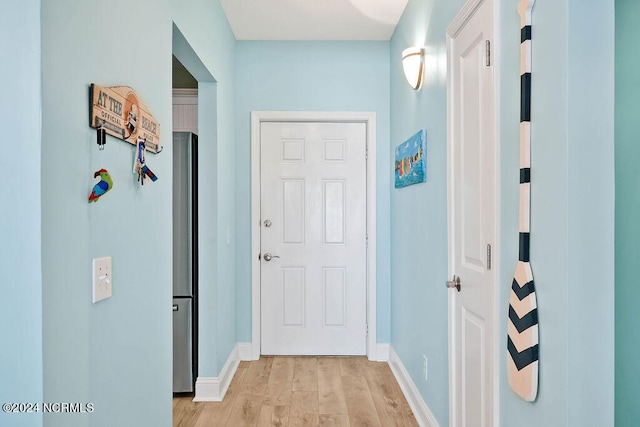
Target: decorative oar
(522, 340)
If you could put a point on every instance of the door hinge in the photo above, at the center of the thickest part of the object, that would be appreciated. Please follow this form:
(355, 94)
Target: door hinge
(488, 45)
(366, 151)
(367, 329)
(488, 257)
(366, 241)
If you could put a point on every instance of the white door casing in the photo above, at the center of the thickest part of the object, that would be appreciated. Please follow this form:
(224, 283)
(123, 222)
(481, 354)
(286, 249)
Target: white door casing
(185, 110)
(473, 215)
(293, 273)
(313, 238)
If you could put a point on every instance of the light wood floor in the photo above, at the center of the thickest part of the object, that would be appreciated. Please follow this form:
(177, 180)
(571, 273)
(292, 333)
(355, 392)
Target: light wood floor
(303, 391)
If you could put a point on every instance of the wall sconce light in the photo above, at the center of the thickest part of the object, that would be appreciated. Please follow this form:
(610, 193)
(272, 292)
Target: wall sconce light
(413, 65)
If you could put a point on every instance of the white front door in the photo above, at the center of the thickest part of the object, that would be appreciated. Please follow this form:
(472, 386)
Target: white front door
(313, 238)
(472, 221)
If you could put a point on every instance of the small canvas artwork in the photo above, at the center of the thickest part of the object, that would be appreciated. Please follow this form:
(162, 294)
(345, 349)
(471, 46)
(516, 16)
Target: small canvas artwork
(411, 160)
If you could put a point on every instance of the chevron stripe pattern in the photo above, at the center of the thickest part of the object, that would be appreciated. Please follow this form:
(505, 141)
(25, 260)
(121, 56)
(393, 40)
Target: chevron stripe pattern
(522, 339)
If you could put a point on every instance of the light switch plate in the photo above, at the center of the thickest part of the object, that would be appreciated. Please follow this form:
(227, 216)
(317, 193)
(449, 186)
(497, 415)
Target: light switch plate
(102, 278)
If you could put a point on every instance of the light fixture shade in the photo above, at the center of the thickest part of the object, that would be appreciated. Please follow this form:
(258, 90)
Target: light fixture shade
(413, 65)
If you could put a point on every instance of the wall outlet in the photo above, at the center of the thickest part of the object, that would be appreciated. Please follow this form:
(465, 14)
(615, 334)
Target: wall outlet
(425, 365)
(102, 278)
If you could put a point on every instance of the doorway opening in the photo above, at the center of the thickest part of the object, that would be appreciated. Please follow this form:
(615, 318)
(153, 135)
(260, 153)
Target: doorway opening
(185, 229)
(194, 96)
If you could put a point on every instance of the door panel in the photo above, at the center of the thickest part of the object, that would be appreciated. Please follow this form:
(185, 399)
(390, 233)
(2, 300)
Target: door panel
(182, 345)
(472, 217)
(334, 296)
(293, 210)
(313, 192)
(182, 215)
(334, 209)
(293, 291)
(473, 341)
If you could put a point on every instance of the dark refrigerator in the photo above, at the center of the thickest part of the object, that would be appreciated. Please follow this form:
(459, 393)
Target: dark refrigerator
(185, 261)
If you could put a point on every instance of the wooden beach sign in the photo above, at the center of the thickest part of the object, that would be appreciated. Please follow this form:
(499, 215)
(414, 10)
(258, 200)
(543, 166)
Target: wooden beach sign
(121, 113)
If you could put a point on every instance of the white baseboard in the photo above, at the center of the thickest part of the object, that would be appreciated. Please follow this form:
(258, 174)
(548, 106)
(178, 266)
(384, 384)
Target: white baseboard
(244, 351)
(421, 411)
(382, 352)
(213, 389)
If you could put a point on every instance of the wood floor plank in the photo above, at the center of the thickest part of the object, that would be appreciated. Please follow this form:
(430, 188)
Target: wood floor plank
(330, 392)
(274, 416)
(351, 392)
(280, 382)
(257, 375)
(304, 409)
(352, 366)
(246, 410)
(305, 400)
(215, 414)
(248, 399)
(333, 420)
(383, 398)
(393, 408)
(186, 411)
(362, 410)
(305, 374)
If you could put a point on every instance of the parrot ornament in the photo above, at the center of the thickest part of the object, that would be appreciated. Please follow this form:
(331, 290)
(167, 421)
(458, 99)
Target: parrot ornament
(101, 187)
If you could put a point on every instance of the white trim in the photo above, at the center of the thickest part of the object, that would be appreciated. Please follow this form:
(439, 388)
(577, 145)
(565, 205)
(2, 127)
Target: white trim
(451, 321)
(453, 29)
(244, 350)
(421, 411)
(185, 96)
(498, 341)
(383, 352)
(458, 23)
(369, 118)
(463, 16)
(213, 389)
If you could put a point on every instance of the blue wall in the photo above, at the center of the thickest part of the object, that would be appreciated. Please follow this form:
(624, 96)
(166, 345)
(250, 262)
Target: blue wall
(591, 205)
(572, 208)
(117, 353)
(627, 109)
(419, 212)
(549, 208)
(203, 24)
(20, 255)
(311, 76)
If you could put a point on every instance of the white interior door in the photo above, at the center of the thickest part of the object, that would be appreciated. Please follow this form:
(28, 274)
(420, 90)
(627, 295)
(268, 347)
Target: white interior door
(472, 220)
(313, 238)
